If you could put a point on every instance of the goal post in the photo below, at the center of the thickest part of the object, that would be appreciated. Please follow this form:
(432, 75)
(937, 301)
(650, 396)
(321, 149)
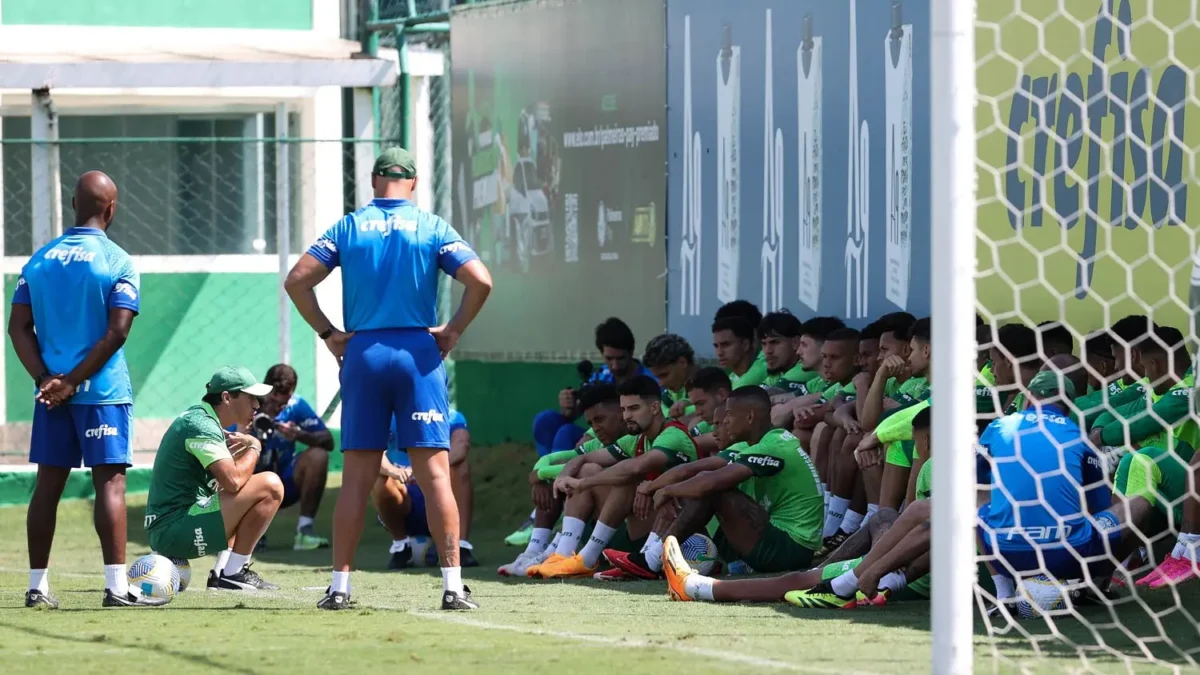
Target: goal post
(952, 230)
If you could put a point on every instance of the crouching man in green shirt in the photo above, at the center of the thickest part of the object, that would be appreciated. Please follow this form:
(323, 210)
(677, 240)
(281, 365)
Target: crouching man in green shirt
(204, 495)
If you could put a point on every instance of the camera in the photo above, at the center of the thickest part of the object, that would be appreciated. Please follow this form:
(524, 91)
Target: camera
(263, 427)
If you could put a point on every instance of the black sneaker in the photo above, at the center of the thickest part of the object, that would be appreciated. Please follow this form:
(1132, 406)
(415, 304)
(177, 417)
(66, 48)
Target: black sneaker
(335, 601)
(214, 583)
(129, 600)
(831, 544)
(40, 600)
(245, 580)
(400, 560)
(466, 558)
(458, 601)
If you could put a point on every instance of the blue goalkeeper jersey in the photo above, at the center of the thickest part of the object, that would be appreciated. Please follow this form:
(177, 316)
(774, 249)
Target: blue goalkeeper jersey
(71, 284)
(1045, 477)
(390, 252)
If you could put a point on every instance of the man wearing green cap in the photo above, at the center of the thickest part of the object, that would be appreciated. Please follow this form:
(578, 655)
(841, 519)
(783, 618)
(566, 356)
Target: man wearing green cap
(390, 253)
(204, 494)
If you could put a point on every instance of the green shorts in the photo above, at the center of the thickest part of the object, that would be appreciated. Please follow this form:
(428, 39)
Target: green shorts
(900, 453)
(916, 590)
(195, 534)
(775, 551)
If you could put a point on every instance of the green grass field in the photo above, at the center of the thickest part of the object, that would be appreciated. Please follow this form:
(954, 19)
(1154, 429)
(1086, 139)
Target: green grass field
(524, 626)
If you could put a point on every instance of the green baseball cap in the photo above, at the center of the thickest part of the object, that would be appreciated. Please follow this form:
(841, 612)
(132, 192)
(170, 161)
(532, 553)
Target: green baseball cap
(1048, 384)
(395, 163)
(236, 378)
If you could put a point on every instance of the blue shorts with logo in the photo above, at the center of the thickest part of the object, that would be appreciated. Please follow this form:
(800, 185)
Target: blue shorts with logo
(416, 523)
(82, 434)
(1062, 561)
(394, 373)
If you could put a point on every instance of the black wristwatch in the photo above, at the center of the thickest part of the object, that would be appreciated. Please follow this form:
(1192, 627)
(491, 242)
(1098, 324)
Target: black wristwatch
(324, 335)
(37, 381)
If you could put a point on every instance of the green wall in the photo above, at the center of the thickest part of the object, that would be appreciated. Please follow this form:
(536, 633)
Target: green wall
(262, 14)
(190, 325)
(500, 399)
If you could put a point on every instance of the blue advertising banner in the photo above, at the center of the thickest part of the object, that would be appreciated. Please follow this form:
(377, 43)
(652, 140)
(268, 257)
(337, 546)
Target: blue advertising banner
(798, 159)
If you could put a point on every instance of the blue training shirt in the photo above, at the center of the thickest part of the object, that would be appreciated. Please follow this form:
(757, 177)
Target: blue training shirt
(605, 376)
(71, 284)
(1045, 477)
(390, 252)
(399, 457)
(297, 410)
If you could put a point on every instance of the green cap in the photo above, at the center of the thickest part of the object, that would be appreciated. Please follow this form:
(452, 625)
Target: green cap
(395, 163)
(1049, 383)
(236, 378)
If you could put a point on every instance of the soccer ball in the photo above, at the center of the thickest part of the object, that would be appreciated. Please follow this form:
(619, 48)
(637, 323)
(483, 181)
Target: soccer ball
(421, 547)
(1041, 595)
(185, 573)
(700, 553)
(155, 577)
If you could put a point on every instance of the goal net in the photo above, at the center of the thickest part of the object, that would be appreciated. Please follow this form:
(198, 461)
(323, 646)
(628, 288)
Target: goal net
(1085, 133)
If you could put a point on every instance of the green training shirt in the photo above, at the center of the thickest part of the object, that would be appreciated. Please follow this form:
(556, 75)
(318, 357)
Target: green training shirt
(700, 428)
(925, 480)
(671, 441)
(795, 374)
(786, 485)
(756, 374)
(1164, 424)
(984, 383)
(180, 482)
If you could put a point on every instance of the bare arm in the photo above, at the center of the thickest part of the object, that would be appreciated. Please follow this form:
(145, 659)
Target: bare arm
(683, 472)
(24, 340)
(873, 402)
(316, 439)
(300, 285)
(602, 457)
(627, 472)
(233, 473)
(708, 482)
(843, 416)
(389, 470)
(460, 443)
(476, 279)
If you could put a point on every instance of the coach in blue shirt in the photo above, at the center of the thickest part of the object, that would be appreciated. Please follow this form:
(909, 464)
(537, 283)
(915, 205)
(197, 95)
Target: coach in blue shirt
(71, 313)
(391, 354)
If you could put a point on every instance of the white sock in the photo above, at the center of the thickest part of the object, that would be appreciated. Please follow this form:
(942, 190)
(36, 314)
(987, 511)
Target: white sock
(553, 547)
(893, 581)
(236, 562)
(533, 514)
(340, 583)
(222, 560)
(834, 515)
(601, 535)
(452, 579)
(398, 545)
(465, 545)
(303, 522)
(1005, 586)
(116, 580)
(38, 581)
(538, 541)
(825, 491)
(852, 522)
(846, 584)
(872, 509)
(699, 587)
(653, 552)
(1186, 546)
(572, 532)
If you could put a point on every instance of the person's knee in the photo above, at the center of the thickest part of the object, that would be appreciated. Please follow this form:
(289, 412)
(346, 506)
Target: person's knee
(269, 485)
(918, 509)
(546, 424)
(462, 472)
(589, 470)
(315, 460)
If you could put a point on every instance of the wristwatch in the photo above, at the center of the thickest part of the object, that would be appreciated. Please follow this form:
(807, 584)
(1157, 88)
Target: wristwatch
(324, 335)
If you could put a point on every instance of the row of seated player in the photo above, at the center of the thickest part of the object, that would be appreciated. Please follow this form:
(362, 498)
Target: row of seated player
(659, 482)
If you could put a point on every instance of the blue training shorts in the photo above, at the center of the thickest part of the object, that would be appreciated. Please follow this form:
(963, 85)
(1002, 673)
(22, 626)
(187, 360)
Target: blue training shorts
(1064, 562)
(416, 523)
(394, 373)
(87, 434)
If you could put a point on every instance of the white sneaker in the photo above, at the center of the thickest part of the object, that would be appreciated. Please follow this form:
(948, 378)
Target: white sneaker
(517, 567)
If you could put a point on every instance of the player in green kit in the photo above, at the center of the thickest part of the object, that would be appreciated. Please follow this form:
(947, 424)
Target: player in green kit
(707, 389)
(839, 365)
(805, 395)
(653, 445)
(733, 341)
(602, 409)
(204, 494)
(780, 335)
(672, 361)
(756, 373)
(775, 525)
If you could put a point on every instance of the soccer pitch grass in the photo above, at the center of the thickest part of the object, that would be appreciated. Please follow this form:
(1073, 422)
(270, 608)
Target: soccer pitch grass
(523, 626)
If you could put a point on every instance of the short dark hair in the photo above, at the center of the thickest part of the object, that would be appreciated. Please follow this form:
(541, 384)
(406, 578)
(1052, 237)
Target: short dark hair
(735, 324)
(751, 395)
(1164, 339)
(214, 399)
(1099, 343)
(923, 419)
(614, 333)
(1055, 334)
(710, 379)
(783, 323)
(896, 323)
(920, 330)
(984, 336)
(1132, 328)
(640, 385)
(820, 327)
(666, 349)
(1017, 339)
(740, 308)
(598, 394)
(843, 335)
(281, 376)
(872, 331)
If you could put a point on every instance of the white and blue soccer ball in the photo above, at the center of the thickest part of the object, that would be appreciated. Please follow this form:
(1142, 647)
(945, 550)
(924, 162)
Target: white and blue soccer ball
(700, 553)
(154, 577)
(1042, 596)
(422, 547)
(185, 573)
